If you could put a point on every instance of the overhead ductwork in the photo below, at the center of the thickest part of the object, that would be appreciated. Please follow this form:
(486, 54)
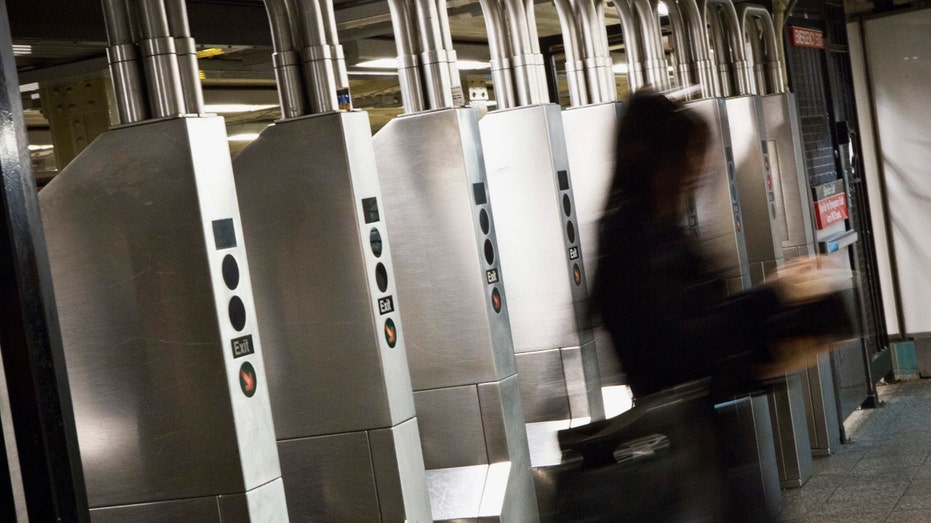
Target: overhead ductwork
(757, 25)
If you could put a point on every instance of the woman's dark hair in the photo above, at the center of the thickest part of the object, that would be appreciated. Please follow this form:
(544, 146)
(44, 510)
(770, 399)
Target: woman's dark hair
(654, 133)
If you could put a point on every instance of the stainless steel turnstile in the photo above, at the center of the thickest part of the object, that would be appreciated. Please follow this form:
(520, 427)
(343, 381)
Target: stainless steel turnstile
(455, 312)
(163, 352)
(531, 186)
(326, 293)
(591, 138)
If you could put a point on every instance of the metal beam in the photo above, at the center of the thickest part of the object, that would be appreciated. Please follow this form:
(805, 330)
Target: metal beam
(39, 407)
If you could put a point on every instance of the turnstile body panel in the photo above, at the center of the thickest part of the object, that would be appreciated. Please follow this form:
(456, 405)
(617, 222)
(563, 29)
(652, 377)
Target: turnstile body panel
(755, 185)
(313, 215)
(591, 142)
(156, 308)
(455, 314)
(531, 186)
(717, 217)
(793, 209)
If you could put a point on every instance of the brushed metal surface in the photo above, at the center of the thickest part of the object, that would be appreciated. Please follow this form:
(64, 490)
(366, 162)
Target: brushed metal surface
(145, 316)
(428, 164)
(524, 149)
(752, 470)
(754, 184)
(451, 430)
(790, 431)
(780, 114)
(591, 140)
(197, 509)
(399, 473)
(581, 372)
(259, 504)
(301, 185)
(329, 478)
(821, 407)
(456, 493)
(719, 226)
(543, 390)
(505, 436)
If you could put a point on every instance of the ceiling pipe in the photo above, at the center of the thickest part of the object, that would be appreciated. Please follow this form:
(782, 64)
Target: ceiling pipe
(767, 68)
(681, 47)
(575, 67)
(285, 60)
(405, 41)
(632, 45)
(499, 49)
(331, 37)
(734, 44)
(319, 69)
(160, 59)
(606, 63)
(586, 18)
(452, 58)
(180, 29)
(124, 63)
(539, 67)
(522, 67)
(702, 66)
(654, 60)
(433, 58)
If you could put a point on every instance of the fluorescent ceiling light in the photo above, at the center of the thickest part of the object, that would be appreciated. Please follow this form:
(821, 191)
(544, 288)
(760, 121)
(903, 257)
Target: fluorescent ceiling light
(392, 63)
(662, 9)
(379, 63)
(25, 88)
(243, 137)
(619, 68)
(236, 108)
(22, 50)
(43, 147)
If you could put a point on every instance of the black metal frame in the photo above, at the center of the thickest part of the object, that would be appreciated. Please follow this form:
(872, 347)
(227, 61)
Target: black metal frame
(30, 340)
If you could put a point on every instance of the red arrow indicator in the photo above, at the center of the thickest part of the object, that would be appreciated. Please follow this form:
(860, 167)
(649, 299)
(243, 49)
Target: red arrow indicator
(247, 379)
(391, 333)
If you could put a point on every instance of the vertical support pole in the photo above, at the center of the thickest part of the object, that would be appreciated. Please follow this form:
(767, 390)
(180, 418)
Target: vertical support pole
(30, 341)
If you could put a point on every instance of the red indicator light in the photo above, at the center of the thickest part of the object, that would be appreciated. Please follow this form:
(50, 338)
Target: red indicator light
(247, 379)
(391, 333)
(577, 274)
(496, 300)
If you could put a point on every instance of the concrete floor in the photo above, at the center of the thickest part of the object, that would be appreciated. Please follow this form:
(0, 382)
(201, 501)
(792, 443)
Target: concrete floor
(883, 474)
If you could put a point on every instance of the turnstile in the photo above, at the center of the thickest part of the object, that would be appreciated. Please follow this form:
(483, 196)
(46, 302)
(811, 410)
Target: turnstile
(325, 289)
(163, 352)
(455, 312)
(531, 186)
(591, 140)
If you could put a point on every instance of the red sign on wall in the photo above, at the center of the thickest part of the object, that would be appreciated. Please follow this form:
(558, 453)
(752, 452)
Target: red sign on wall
(801, 37)
(831, 210)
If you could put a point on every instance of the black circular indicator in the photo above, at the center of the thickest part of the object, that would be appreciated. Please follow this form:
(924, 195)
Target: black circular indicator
(489, 252)
(375, 240)
(230, 272)
(248, 381)
(381, 277)
(483, 221)
(577, 274)
(391, 333)
(570, 231)
(237, 312)
(496, 300)
(566, 205)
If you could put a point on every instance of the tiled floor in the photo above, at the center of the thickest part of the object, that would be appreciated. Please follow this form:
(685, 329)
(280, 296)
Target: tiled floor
(883, 474)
